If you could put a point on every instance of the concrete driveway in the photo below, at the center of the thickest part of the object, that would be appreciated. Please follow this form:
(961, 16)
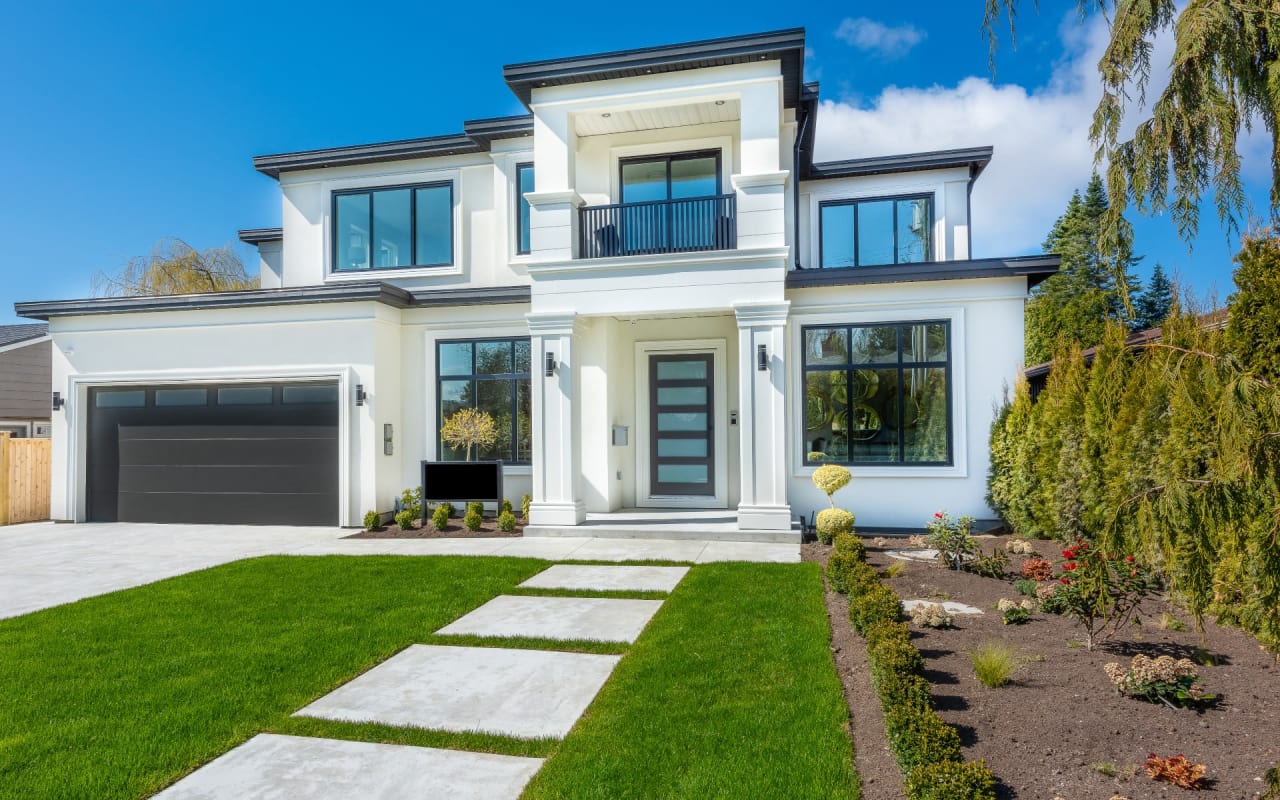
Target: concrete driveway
(44, 565)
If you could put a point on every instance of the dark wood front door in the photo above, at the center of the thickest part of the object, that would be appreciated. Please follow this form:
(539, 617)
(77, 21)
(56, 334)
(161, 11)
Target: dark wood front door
(681, 425)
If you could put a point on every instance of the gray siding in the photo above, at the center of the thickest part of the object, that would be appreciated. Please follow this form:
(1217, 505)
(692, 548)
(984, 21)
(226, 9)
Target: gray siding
(26, 378)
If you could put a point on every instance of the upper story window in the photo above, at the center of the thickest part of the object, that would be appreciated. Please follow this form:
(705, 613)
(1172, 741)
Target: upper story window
(524, 183)
(671, 177)
(885, 230)
(396, 227)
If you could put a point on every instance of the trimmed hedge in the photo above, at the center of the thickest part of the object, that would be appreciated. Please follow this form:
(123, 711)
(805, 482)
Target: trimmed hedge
(926, 748)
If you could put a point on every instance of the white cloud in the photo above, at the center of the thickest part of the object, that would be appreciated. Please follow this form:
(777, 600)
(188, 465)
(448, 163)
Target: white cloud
(1040, 136)
(869, 35)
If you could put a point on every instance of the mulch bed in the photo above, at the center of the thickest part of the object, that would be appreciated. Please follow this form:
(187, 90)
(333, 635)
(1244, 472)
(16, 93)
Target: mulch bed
(456, 530)
(1050, 732)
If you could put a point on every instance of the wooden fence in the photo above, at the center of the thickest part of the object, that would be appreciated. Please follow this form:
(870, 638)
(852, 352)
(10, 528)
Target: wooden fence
(25, 473)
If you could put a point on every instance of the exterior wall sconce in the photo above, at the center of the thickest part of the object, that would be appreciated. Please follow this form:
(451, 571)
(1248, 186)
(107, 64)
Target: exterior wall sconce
(58, 402)
(549, 364)
(762, 358)
(360, 394)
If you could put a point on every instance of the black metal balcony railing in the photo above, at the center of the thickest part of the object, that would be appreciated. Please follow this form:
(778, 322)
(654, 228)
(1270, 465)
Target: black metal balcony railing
(660, 226)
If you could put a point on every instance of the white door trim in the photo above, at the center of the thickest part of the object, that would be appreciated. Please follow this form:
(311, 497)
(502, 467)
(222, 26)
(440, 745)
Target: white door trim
(720, 403)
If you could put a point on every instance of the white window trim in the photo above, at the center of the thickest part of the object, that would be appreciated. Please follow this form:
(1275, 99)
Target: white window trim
(819, 194)
(959, 467)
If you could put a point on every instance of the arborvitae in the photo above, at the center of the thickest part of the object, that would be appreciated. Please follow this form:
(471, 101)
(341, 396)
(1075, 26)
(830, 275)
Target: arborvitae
(1057, 435)
(1109, 377)
(1155, 302)
(1253, 324)
(1012, 479)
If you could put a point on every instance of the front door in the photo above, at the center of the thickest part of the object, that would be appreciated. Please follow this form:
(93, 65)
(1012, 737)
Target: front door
(681, 425)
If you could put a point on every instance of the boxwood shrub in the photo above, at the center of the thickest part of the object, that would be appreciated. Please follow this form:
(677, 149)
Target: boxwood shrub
(950, 780)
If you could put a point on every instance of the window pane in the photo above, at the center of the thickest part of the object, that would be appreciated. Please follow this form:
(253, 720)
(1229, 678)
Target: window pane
(310, 394)
(495, 399)
(522, 357)
(455, 358)
(680, 421)
(875, 233)
(453, 396)
(682, 448)
(435, 225)
(128, 398)
(924, 342)
(924, 424)
(874, 344)
(826, 345)
(873, 421)
(682, 473)
(391, 229)
(643, 181)
(682, 370)
(524, 421)
(524, 183)
(837, 236)
(693, 177)
(493, 358)
(914, 234)
(182, 397)
(826, 406)
(682, 396)
(245, 396)
(352, 226)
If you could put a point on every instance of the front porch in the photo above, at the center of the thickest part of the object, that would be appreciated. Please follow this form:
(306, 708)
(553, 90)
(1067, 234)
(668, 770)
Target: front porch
(650, 523)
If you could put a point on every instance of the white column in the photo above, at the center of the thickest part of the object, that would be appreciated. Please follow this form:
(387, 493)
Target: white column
(553, 205)
(761, 185)
(762, 416)
(557, 473)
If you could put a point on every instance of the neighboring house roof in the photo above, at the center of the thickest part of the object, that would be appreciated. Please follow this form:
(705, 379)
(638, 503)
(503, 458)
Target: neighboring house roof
(1034, 268)
(376, 291)
(16, 334)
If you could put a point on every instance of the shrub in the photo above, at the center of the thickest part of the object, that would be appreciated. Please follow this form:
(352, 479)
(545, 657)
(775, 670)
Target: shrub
(1163, 679)
(1052, 601)
(951, 780)
(504, 506)
(994, 663)
(1101, 592)
(1019, 547)
(852, 544)
(919, 736)
(476, 507)
(951, 539)
(372, 519)
(1026, 586)
(877, 604)
(473, 520)
(831, 478)
(833, 522)
(931, 615)
(440, 517)
(1012, 613)
(891, 652)
(1177, 770)
(405, 520)
(839, 568)
(895, 569)
(449, 510)
(525, 502)
(411, 501)
(1037, 569)
(506, 521)
(994, 565)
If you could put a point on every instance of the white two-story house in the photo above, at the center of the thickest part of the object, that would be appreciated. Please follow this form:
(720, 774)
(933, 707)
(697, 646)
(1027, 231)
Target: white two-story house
(660, 297)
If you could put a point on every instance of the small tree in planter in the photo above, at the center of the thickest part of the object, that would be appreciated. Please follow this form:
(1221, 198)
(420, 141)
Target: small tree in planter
(469, 428)
(833, 521)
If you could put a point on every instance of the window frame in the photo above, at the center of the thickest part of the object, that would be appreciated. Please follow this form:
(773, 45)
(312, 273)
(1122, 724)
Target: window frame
(687, 155)
(854, 202)
(474, 377)
(901, 366)
(520, 231)
(413, 225)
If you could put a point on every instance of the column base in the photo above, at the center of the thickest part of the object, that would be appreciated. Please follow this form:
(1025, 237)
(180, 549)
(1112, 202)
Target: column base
(547, 513)
(764, 518)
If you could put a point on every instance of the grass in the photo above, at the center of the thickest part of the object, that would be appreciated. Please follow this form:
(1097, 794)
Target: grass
(895, 569)
(994, 663)
(117, 696)
(730, 692)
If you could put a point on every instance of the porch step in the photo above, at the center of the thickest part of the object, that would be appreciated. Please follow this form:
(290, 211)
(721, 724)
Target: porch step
(690, 530)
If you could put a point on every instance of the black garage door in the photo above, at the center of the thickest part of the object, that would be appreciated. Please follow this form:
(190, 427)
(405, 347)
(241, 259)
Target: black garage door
(242, 453)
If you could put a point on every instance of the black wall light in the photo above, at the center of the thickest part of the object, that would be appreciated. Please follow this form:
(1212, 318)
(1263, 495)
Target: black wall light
(762, 358)
(58, 402)
(549, 365)
(360, 395)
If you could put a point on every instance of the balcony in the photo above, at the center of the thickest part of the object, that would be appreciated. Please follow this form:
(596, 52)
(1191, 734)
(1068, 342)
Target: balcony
(683, 225)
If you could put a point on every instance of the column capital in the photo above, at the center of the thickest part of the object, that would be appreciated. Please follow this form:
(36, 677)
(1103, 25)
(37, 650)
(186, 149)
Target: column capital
(551, 199)
(761, 314)
(554, 324)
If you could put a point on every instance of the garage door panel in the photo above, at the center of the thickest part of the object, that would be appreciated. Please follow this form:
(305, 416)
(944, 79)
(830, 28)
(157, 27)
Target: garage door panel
(308, 478)
(211, 445)
(228, 509)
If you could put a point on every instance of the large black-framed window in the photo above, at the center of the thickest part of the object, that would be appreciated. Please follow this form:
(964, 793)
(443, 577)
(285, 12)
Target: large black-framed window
(492, 375)
(878, 394)
(672, 176)
(524, 183)
(875, 231)
(393, 227)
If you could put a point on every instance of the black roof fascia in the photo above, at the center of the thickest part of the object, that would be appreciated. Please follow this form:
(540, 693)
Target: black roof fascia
(375, 291)
(256, 236)
(975, 158)
(784, 45)
(1034, 268)
(484, 131)
(452, 144)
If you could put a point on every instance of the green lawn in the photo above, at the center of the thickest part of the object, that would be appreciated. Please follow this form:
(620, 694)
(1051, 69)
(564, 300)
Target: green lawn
(730, 692)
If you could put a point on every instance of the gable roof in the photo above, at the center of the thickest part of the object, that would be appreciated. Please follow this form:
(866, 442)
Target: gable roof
(15, 334)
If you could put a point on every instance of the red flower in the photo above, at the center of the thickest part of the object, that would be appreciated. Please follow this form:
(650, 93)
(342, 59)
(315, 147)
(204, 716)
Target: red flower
(1070, 566)
(1129, 559)
(1069, 553)
(1065, 580)
(937, 515)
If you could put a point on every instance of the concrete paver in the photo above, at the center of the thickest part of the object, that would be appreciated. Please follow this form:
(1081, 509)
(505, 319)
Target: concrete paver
(274, 767)
(521, 693)
(560, 618)
(607, 578)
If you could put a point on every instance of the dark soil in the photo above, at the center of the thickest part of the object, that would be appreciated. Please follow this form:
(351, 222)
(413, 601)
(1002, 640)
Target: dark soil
(1059, 726)
(881, 779)
(455, 530)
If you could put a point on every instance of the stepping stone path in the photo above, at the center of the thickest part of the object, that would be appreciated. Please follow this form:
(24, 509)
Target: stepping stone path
(521, 693)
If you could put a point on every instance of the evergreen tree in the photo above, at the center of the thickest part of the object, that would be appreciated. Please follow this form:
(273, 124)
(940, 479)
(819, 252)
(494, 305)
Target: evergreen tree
(1076, 303)
(1253, 323)
(1155, 302)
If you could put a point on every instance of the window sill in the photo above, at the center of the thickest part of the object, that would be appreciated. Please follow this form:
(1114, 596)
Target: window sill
(393, 272)
(887, 471)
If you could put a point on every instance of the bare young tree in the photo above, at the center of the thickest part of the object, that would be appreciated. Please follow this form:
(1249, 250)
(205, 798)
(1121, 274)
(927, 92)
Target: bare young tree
(175, 267)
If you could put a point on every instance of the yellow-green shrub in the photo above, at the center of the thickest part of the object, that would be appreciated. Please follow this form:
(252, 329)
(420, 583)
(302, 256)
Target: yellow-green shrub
(950, 780)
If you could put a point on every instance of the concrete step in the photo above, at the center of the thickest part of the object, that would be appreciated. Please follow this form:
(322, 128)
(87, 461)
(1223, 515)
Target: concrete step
(666, 530)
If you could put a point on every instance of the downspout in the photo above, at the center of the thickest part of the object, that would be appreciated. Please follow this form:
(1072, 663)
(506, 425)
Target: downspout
(795, 184)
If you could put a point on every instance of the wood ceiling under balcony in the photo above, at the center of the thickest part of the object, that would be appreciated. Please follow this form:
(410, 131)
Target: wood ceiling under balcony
(647, 119)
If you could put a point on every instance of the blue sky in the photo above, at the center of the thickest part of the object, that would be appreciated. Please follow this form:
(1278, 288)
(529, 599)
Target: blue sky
(126, 123)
